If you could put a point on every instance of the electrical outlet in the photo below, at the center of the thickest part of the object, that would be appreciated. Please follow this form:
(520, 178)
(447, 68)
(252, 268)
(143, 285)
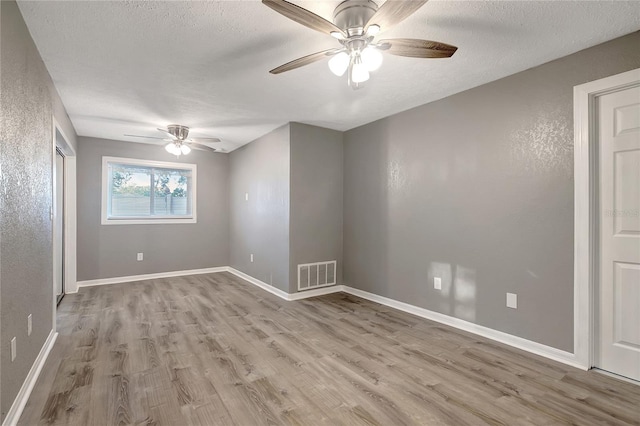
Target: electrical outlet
(246, 196)
(29, 324)
(512, 300)
(13, 349)
(251, 257)
(437, 283)
(140, 257)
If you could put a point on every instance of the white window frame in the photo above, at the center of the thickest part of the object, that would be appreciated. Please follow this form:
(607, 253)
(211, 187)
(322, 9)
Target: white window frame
(147, 220)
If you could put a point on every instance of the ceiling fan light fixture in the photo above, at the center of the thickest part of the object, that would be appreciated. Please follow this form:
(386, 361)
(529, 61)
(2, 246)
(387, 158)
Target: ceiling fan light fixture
(170, 147)
(185, 149)
(355, 25)
(339, 63)
(371, 58)
(359, 73)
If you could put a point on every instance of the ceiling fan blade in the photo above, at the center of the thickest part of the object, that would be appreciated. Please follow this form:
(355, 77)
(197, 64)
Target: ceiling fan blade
(146, 137)
(393, 12)
(415, 48)
(302, 16)
(305, 60)
(173, 137)
(205, 140)
(200, 147)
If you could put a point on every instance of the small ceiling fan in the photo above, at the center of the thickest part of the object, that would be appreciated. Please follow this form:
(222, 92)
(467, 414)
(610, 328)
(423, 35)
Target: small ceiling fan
(178, 142)
(355, 25)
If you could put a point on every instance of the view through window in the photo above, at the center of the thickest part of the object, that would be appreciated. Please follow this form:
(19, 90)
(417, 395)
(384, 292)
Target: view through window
(142, 190)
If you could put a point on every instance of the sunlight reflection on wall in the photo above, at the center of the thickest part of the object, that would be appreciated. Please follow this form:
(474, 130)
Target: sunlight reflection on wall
(458, 294)
(464, 290)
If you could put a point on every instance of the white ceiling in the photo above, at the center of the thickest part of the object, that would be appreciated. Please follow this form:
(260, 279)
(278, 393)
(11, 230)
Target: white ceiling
(127, 67)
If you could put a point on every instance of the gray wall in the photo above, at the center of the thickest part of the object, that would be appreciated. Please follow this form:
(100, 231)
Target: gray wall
(106, 251)
(476, 188)
(28, 100)
(261, 224)
(316, 198)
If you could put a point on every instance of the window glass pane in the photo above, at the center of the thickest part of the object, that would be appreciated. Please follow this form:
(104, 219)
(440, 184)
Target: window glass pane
(171, 190)
(130, 191)
(138, 191)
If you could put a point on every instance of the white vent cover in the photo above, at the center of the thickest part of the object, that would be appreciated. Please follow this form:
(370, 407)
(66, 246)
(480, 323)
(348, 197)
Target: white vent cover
(314, 275)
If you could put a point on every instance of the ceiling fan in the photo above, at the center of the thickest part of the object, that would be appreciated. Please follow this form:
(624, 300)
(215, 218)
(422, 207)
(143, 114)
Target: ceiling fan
(355, 25)
(178, 142)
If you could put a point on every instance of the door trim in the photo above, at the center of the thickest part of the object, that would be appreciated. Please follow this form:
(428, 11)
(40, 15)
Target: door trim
(70, 226)
(58, 298)
(585, 233)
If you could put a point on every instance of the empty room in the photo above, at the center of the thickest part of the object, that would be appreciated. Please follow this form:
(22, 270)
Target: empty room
(336, 212)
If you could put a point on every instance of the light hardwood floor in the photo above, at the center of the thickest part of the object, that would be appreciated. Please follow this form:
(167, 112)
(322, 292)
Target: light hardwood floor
(213, 349)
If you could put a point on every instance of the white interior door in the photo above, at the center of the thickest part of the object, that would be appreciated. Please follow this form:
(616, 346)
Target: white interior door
(58, 228)
(618, 290)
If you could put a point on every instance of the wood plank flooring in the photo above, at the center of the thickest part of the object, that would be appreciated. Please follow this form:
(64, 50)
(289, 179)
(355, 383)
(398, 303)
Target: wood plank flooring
(213, 349)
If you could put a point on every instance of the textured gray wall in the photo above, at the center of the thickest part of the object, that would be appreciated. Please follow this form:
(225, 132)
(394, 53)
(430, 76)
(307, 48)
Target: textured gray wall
(476, 188)
(261, 224)
(28, 100)
(316, 198)
(106, 251)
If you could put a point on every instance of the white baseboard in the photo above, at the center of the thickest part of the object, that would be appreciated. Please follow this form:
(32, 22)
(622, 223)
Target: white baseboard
(283, 294)
(132, 278)
(29, 382)
(316, 292)
(508, 339)
(271, 289)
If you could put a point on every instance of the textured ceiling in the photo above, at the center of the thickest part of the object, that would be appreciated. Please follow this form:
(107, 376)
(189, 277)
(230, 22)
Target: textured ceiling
(126, 67)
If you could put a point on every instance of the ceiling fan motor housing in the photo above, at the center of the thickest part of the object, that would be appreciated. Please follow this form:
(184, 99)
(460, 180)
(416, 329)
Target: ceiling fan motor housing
(352, 15)
(180, 132)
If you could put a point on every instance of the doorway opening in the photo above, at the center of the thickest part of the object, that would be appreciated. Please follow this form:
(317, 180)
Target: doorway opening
(58, 226)
(63, 215)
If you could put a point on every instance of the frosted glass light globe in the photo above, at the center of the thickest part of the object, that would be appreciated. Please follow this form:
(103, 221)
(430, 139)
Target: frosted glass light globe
(371, 58)
(339, 63)
(172, 149)
(359, 73)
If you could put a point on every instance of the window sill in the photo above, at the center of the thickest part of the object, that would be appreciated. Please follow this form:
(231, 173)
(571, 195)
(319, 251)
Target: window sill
(158, 221)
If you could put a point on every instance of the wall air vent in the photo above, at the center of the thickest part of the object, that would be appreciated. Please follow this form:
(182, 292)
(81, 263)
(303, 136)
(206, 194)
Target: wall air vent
(314, 275)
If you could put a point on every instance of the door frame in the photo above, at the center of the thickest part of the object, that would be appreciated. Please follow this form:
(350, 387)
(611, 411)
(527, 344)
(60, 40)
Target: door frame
(585, 225)
(59, 152)
(69, 220)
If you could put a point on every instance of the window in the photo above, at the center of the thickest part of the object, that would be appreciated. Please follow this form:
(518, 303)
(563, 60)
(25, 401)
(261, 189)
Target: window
(141, 191)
